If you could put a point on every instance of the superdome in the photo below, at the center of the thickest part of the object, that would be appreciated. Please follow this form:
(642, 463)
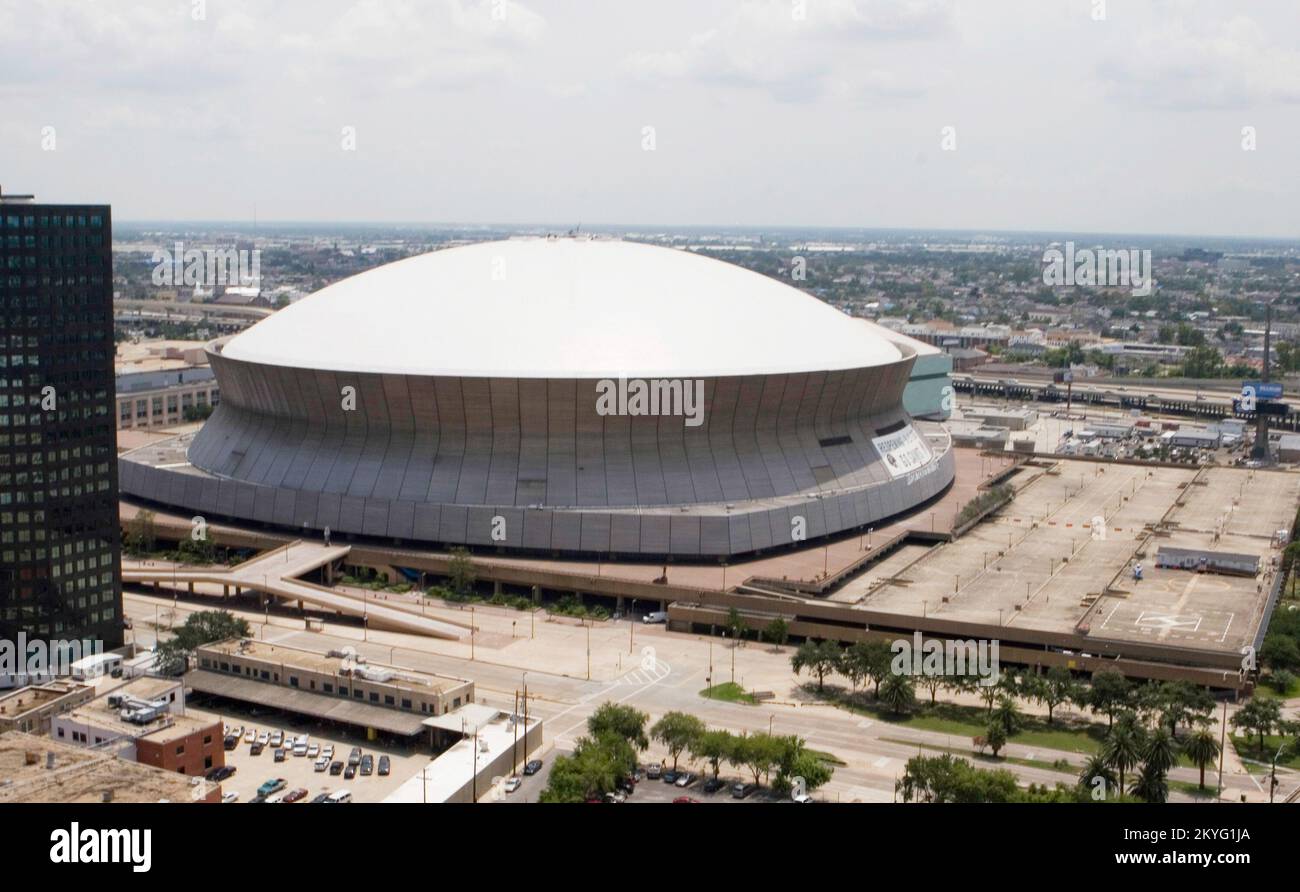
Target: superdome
(562, 308)
(459, 398)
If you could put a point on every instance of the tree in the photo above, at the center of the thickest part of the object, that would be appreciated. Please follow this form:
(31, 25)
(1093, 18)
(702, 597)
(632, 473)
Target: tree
(1057, 686)
(677, 731)
(819, 657)
(756, 752)
(1095, 769)
(713, 747)
(141, 536)
(204, 627)
(1123, 746)
(869, 659)
(1152, 784)
(735, 623)
(1007, 715)
(1279, 651)
(946, 778)
(796, 763)
(1258, 716)
(898, 693)
(777, 631)
(1161, 750)
(461, 574)
(995, 737)
(1202, 748)
(932, 682)
(1109, 692)
(593, 770)
(626, 722)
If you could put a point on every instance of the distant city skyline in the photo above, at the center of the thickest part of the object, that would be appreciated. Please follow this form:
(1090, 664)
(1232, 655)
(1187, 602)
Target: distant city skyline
(779, 114)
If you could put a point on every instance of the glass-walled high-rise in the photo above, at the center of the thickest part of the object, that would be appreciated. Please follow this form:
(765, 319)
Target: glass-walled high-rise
(60, 570)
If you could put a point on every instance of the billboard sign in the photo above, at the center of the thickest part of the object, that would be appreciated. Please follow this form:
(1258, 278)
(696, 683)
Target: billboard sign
(1263, 390)
(904, 451)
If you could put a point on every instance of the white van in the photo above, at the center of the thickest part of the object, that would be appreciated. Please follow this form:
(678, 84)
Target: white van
(339, 796)
(658, 616)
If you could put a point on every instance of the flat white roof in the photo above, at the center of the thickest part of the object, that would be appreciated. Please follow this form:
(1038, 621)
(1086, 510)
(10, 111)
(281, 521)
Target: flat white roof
(562, 308)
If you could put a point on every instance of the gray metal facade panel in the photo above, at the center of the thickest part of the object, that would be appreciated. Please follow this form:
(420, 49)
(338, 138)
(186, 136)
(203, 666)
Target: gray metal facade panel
(419, 451)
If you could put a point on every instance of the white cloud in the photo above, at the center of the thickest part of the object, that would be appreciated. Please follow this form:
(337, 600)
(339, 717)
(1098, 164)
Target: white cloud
(1215, 65)
(798, 51)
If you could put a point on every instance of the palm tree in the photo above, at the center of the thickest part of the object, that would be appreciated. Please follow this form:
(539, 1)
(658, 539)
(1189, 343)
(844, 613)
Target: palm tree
(1007, 715)
(1161, 750)
(1094, 769)
(1123, 747)
(1151, 784)
(1202, 748)
(898, 693)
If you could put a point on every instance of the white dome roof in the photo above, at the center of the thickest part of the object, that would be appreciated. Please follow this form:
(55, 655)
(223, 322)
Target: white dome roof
(562, 308)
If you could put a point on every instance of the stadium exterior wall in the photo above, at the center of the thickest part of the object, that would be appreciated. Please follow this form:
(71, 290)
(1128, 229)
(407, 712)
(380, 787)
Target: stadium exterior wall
(448, 460)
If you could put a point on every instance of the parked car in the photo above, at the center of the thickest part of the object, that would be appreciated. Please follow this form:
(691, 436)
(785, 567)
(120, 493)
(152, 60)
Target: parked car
(264, 738)
(653, 772)
(802, 798)
(250, 736)
(230, 797)
(533, 767)
(231, 742)
(354, 757)
(300, 749)
(219, 774)
(385, 766)
(257, 799)
(340, 796)
(685, 779)
(714, 784)
(657, 616)
(615, 797)
(322, 764)
(295, 795)
(350, 772)
(625, 785)
(367, 766)
(323, 797)
(740, 790)
(313, 751)
(256, 749)
(513, 783)
(684, 799)
(670, 776)
(328, 752)
(280, 754)
(272, 786)
(336, 768)
(277, 739)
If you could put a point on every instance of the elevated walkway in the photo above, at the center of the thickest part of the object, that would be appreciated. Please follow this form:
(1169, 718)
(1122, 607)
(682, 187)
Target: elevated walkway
(276, 573)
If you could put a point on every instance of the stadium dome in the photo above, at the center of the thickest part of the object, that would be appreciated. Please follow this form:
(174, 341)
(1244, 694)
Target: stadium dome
(463, 397)
(561, 308)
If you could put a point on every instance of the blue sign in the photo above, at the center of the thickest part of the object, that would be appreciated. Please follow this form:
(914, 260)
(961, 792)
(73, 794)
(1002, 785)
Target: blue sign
(1262, 390)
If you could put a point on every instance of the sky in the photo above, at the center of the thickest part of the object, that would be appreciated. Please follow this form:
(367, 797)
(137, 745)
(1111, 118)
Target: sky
(1163, 116)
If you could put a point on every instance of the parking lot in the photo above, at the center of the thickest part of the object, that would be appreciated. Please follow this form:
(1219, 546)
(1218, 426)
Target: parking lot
(299, 771)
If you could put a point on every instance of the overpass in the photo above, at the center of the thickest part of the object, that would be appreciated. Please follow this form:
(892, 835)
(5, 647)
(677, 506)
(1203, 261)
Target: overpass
(1205, 405)
(275, 573)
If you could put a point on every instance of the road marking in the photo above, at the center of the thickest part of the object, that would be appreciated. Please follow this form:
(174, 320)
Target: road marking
(882, 762)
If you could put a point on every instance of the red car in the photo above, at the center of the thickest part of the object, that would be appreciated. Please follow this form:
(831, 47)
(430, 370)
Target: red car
(295, 795)
(684, 799)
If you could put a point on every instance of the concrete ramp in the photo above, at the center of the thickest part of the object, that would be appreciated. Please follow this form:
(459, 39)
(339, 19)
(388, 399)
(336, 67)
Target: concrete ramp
(276, 573)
